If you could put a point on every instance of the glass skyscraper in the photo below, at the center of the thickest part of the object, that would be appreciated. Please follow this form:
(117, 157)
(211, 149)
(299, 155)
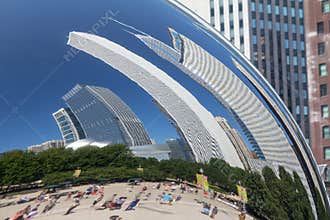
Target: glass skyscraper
(271, 34)
(69, 125)
(104, 117)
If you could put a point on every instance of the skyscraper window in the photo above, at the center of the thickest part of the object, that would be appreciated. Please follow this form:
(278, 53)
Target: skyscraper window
(277, 10)
(305, 110)
(323, 69)
(293, 12)
(323, 90)
(324, 111)
(302, 45)
(269, 9)
(278, 26)
(293, 28)
(297, 109)
(285, 11)
(321, 48)
(320, 27)
(301, 13)
(261, 7)
(325, 132)
(253, 6)
(326, 153)
(326, 6)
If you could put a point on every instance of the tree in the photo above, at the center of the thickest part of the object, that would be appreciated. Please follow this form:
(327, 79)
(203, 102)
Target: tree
(302, 198)
(55, 160)
(260, 199)
(320, 208)
(274, 186)
(19, 167)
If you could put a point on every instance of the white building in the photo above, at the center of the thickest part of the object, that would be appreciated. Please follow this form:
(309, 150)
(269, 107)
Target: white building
(46, 145)
(230, 17)
(197, 125)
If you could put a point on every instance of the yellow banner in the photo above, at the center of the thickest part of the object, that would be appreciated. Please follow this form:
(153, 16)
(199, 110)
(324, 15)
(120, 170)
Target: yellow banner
(199, 179)
(205, 184)
(77, 173)
(242, 193)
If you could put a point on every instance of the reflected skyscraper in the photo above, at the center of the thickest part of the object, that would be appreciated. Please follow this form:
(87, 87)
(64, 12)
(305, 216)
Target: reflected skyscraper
(261, 116)
(204, 136)
(272, 35)
(69, 126)
(104, 117)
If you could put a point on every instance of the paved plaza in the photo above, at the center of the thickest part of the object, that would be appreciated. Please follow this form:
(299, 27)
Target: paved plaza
(147, 209)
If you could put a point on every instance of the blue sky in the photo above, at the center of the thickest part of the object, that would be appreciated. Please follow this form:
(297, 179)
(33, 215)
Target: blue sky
(37, 67)
(34, 74)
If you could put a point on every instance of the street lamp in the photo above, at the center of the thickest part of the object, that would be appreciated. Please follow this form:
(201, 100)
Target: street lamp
(201, 171)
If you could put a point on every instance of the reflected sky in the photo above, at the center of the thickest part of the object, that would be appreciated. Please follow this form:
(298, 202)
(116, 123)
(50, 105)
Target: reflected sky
(35, 72)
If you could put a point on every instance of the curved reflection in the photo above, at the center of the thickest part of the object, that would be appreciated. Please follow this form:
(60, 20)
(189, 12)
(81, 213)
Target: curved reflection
(203, 54)
(204, 136)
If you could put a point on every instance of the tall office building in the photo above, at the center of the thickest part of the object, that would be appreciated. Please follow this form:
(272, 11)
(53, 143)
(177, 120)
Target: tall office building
(69, 125)
(271, 35)
(317, 20)
(179, 149)
(197, 125)
(103, 116)
(213, 62)
(243, 151)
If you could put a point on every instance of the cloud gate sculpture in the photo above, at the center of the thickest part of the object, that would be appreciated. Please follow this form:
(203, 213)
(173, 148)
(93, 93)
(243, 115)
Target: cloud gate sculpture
(182, 44)
(197, 125)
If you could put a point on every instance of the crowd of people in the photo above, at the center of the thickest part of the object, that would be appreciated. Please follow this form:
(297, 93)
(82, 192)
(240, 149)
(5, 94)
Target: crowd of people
(167, 193)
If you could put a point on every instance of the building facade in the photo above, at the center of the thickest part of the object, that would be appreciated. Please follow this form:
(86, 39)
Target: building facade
(46, 145)
(231, 91)
(317, 20)
(157, 151)
(179, 149)
(271, 34)
(233, 80)
(220, 68)
(197, 125)
(104, 117)
(69, 125)
(243, 151)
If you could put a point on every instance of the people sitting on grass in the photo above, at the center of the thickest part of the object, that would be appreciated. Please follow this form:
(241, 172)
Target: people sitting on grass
(50, 205)
(78, 195)
(107, 202)
(178, 198)
(42, 197)
(242, 215)
(147, 196)
(133, 204)
(68, 196)
(20, 214)
(167, 199)
(115, 217)
(23, 200)
(98, 199)
(167, 188)
(206, 208)
(173, 188)
(33, 212)
(117, 204)
(73, 206)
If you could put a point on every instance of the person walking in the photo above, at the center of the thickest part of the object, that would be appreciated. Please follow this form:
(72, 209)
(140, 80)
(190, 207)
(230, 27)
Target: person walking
(214, 212)
(242, 216)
